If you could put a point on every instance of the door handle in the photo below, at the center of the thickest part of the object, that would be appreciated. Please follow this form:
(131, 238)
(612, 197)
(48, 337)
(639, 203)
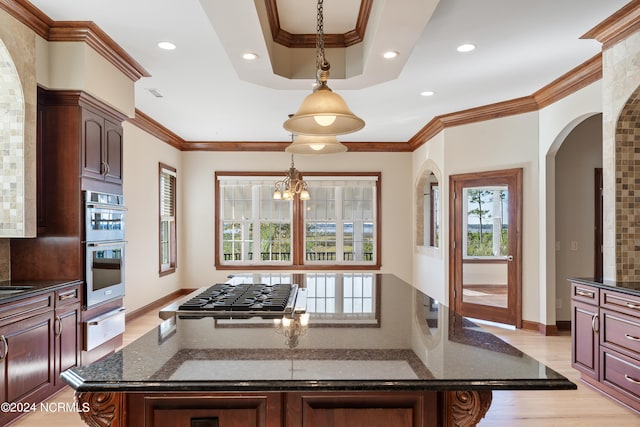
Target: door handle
(6, 347)
(509, 258)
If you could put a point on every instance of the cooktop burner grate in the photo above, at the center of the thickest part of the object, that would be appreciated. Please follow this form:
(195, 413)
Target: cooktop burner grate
(244, 297)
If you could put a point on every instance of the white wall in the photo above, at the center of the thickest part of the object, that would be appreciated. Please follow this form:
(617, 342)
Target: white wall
(142, 153)
(197, 216)
(556, 122)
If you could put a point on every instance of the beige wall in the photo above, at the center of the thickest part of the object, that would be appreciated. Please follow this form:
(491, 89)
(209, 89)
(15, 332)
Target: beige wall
(529, 141)
(142, 154)
(197, 214)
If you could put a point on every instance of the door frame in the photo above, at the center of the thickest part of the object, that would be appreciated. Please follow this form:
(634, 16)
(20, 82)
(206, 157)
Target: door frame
(512, 315)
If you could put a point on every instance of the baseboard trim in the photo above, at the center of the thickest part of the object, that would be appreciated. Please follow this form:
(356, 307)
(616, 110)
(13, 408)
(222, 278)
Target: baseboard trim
(159, 303)
(564, 325)
(547, 330)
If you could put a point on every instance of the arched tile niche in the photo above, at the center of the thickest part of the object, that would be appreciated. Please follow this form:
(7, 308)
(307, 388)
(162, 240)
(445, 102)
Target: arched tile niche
(12, 139)
(627, 170)
(428, 207)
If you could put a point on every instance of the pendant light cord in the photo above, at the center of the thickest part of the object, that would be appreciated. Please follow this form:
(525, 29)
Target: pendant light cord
(322, 65)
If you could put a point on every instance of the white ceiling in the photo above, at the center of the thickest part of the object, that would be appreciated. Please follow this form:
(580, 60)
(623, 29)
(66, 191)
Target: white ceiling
(522, 46)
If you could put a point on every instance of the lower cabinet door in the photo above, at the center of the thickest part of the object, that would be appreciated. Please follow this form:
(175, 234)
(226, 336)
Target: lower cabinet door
(27, 368)
(411, 409)
(584, 335)
(203, 410)
(68, 333)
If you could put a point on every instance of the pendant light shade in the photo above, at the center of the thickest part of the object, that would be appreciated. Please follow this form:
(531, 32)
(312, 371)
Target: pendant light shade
(324, 112)
(305, 144)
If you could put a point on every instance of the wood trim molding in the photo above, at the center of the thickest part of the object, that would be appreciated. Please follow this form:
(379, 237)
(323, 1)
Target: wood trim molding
(617, 27)
(290, 40)
(547, 330)
(75, 31)
(93, 36)
(473, 115)
(581, 76)
(80, 98)
(147, 124)
(29, 15)
(157, 304)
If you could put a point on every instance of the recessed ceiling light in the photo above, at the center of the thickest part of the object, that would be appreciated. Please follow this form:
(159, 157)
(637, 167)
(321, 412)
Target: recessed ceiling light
(427, 93)
(250, 56)
(467, 47)
(390, 54)
(166, 45)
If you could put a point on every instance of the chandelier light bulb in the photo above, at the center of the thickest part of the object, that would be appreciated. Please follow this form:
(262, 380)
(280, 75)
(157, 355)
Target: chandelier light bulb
(324, 120)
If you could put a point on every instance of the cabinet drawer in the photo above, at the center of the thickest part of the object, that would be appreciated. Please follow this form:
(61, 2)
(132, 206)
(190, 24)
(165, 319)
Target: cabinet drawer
(620, 331)
(67, 296)
(621, 373)
(21, 309)
(585, 293)
(623, 303)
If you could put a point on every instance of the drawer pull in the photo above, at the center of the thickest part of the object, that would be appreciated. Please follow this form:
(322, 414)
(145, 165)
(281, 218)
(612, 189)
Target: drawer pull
(631, 337)
(67, 296)
(633, 306)
(631, 380)
(583, 293)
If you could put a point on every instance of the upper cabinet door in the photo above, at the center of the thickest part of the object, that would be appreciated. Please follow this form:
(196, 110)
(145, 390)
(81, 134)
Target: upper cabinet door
(101, 148)
(92, 145)
(113, 152)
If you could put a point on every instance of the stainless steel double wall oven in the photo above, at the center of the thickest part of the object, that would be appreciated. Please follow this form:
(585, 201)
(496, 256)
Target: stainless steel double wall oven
(104, 247)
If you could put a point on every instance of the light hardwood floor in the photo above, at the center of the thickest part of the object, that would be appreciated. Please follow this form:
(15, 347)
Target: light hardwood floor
(584, 407)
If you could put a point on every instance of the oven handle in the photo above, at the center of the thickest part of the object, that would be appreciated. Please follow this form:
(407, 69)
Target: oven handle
(106, 243)
(106, 206)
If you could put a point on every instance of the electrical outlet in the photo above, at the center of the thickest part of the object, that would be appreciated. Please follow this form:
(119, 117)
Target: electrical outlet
(574, 245)
(558, 302)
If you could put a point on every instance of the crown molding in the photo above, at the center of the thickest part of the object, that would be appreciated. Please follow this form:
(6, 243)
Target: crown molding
(473, 115)
(290, 40)
(29, 15)
(617, 27)
(147, 124)
(92, 35)
(75, 31)
(581, 76)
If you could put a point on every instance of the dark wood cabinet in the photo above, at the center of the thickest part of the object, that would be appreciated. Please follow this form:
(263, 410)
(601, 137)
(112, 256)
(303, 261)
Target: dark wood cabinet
(67, 331)
(27, 337)
(584, 324)
(101, 144)
(205, 410)
(606, 341)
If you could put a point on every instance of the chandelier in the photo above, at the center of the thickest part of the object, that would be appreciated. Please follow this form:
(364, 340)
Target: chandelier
(292, 328)
(324, 112)
(290, 185)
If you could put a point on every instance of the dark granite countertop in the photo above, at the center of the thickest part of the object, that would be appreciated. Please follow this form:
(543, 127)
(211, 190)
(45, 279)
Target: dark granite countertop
(365, 332)
(12, 290)
(631, 288)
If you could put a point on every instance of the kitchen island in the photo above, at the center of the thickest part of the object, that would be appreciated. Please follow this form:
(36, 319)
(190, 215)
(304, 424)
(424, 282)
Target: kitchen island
(369, 350)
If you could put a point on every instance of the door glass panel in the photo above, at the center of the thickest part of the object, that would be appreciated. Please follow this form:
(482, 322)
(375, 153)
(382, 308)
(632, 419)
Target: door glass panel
(485, 251)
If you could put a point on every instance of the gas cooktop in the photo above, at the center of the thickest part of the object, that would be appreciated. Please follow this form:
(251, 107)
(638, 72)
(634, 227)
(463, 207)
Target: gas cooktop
(226, 300)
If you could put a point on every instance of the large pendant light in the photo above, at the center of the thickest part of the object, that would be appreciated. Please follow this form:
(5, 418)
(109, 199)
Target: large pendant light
(324, 112)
